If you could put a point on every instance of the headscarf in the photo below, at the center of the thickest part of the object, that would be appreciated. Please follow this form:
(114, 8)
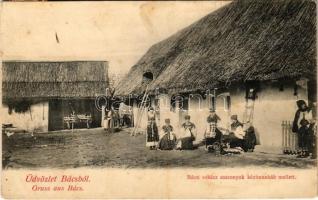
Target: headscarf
(300, 103)
(215, 118)
(297, 114)
(234, 117)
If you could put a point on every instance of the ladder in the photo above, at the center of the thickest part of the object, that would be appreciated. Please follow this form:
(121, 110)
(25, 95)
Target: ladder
(140, 112)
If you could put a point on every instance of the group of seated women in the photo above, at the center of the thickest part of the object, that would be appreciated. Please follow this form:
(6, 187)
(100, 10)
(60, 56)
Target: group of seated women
(165, 139)
(169, 141)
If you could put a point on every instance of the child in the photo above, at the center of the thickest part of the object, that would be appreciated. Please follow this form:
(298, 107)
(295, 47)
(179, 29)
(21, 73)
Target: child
(168, 139)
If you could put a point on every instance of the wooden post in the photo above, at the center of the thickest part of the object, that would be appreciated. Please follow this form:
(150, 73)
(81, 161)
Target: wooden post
(43, 111)
(287, 138)
(103, 115)
(283, 137)
(292, 138)
(296, 143)
(177, 104)
(30, 113)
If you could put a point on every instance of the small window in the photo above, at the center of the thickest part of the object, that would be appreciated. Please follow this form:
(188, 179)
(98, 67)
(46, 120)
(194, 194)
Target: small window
(180, 102)
(227, 103)
(212, 105)
(251, 89)
(147, 77)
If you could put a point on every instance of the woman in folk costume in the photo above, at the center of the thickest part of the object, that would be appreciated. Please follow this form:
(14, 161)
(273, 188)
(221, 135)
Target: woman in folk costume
(188, 135)
(304, 138)
(108, 122)
(303, 125)
(250, 139)
(212, 134)
(236, 135)
(152, 130)
(168, 138)
(213, 116)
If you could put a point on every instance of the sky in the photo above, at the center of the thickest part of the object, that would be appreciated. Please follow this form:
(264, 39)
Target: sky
(118, 32)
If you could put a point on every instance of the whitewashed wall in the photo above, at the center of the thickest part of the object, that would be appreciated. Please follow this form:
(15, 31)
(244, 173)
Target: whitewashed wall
(35, 120)
(270, 109)
(166, 113)
(143, 121)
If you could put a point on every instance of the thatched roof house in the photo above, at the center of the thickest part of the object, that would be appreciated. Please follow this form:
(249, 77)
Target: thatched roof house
(67, 79)
(245, 40)
(51, 91)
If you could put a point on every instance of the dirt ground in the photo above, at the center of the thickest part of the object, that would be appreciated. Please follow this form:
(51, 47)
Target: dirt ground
(95, 148)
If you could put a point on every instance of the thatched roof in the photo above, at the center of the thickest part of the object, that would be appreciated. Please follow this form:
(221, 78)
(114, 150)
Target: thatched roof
(245, 40)
(80, 79)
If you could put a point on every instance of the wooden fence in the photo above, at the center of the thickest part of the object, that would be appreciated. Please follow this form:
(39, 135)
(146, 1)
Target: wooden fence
(289, 139)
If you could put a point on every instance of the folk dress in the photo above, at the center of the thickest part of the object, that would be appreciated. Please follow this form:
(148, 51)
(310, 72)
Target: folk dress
(212, 134)
(303, 132)
(152, 130)
(108, 120)
(168, 139)
(189, 133)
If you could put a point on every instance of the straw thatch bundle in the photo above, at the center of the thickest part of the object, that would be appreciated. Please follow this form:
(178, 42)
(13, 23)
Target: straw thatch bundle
(245, 40)
(54, 79)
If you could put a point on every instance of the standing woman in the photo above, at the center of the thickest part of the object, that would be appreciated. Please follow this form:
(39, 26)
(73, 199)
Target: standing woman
(152, 130)
(302, 125)
(108, 120)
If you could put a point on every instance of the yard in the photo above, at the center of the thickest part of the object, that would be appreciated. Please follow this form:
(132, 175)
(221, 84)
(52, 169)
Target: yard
(95, 148)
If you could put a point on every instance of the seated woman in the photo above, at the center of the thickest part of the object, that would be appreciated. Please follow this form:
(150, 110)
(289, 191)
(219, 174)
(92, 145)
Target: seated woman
(236, 135)
(188, 135)
(250, 139)
(168, 138)
(212, 134)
